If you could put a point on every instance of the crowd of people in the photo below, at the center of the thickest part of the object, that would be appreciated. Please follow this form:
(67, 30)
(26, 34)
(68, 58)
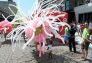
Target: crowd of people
(83, 31)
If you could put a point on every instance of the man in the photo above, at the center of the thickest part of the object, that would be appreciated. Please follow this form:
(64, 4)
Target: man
(86, 42)
(72, 38)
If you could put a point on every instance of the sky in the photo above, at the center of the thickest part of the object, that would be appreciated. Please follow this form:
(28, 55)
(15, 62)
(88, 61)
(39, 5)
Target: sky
(25, 5)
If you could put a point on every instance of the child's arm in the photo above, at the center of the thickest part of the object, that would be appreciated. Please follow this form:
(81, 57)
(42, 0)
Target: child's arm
(89, 40)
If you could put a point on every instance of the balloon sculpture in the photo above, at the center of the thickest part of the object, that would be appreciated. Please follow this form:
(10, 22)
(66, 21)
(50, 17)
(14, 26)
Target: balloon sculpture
(6, 24)
(41, 24)
(5, 27)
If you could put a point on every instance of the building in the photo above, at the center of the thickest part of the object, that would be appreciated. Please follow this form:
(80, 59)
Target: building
(69, 8)
(83, 11)
(4, 9)
(79, 10)
(46, 3)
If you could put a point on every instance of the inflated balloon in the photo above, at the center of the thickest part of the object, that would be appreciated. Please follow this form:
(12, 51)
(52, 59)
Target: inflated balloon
(6, 26)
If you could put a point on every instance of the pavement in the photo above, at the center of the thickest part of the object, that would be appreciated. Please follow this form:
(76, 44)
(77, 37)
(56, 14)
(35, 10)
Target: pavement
(60, 54)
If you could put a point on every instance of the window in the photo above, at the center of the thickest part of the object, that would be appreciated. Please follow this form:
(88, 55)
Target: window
(90, 0)
(87, 1)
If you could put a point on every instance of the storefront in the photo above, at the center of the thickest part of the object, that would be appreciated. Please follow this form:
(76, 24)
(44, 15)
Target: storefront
(85, 17)
(83, 13)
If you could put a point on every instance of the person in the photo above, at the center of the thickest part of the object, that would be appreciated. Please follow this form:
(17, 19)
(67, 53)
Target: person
(79, 29)
(5, 31)
(66, 35)
(40, 40)
(49, 43)
(86, 42)
(24, 37)
(90, 25)
(49, 48)
(72, 38)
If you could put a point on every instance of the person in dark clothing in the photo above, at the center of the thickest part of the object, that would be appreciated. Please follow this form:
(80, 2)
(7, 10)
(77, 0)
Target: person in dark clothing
(50, 43)
(24, 37)
(72, 39)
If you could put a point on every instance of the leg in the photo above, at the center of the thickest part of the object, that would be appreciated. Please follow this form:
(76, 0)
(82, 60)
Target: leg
(83, 54)
(74, 45)
(86, 49)
(70, 45)
(43, 47)
(36, 45)
(83, 50)
(40, 49)
(37, 48)
(86, 54)
(24, 37)
(50, 54)
(5, 36)
(66, 42)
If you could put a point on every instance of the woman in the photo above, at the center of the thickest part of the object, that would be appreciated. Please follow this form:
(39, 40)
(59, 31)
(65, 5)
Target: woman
(40, 40)
(86, 42)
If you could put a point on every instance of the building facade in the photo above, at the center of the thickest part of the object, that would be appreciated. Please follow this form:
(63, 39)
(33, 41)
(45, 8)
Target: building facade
(69, 8)
(79, 10)
(4, 9)
(83, 11)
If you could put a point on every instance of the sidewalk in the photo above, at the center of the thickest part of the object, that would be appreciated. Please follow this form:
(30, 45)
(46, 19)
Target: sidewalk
(60, 55)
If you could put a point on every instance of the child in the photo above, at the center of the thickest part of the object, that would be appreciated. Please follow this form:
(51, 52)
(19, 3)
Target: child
(40, 40)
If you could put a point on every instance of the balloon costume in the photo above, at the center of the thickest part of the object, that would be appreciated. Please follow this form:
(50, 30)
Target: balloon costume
(41, 24)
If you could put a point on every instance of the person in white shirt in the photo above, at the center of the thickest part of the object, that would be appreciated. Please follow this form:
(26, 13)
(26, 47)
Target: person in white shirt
(79, 29)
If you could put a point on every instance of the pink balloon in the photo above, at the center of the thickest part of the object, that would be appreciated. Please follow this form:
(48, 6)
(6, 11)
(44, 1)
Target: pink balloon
(29, 32)
(6, 24)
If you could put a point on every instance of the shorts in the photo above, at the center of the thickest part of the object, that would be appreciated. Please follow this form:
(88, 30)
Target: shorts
(85, 45)
(66, 38)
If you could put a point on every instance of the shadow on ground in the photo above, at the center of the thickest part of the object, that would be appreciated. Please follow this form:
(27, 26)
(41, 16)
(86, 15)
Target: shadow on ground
(55, 58)
(55, 42)
(77, 57)
(6, 42)
(89, 60)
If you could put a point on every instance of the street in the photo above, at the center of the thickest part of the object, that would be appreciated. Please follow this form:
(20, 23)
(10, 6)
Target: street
(61, 54)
